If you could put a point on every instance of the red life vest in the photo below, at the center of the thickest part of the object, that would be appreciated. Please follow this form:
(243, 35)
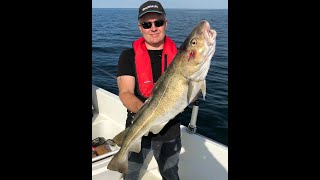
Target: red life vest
(143, 63)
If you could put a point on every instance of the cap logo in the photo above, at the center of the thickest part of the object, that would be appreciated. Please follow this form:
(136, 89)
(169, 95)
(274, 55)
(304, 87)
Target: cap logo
(150, 6)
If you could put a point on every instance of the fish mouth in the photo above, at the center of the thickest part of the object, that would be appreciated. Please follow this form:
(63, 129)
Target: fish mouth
(210, 34)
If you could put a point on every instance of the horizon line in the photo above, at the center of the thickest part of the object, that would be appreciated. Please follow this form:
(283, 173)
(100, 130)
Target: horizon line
(166, 8)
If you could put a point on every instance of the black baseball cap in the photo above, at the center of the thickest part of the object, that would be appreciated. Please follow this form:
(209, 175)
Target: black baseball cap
(151, 6)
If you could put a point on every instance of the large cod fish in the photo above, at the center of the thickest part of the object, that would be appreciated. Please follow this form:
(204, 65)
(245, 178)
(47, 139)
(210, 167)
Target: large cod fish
(173, 92)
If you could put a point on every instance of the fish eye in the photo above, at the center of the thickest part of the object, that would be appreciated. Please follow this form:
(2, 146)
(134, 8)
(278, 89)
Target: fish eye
(193, 42)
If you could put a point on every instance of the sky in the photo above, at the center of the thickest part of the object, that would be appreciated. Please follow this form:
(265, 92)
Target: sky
(179, 4)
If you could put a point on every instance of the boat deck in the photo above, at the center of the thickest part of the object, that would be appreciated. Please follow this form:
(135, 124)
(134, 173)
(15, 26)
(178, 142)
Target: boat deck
(200, 157)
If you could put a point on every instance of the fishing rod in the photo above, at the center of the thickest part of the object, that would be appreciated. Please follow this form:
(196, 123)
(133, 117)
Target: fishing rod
(114, 77)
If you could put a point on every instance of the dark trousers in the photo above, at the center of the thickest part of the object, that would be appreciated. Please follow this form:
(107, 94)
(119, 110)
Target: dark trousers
(166, 154)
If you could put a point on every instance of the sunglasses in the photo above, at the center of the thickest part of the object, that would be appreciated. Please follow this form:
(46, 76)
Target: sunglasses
(157, 23)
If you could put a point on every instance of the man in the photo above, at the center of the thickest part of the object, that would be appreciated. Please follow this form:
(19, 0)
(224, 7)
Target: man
(138, 69)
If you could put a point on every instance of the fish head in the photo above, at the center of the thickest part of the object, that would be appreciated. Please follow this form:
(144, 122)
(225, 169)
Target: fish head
(196, 52)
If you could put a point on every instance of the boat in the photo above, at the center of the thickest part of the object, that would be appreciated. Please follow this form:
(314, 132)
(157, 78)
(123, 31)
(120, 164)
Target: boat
(200, 157)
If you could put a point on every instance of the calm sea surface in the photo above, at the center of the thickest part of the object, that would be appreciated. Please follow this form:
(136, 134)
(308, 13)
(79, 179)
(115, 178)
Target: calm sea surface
(115, 29)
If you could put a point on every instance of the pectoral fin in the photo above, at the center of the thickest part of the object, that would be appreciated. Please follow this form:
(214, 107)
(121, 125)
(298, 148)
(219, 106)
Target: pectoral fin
(194, 89)
(204, 89)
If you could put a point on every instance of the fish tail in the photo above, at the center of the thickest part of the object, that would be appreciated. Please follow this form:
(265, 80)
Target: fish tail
(117, 164)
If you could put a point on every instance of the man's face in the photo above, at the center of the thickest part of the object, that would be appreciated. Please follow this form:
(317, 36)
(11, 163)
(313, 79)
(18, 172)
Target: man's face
(154, 36)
